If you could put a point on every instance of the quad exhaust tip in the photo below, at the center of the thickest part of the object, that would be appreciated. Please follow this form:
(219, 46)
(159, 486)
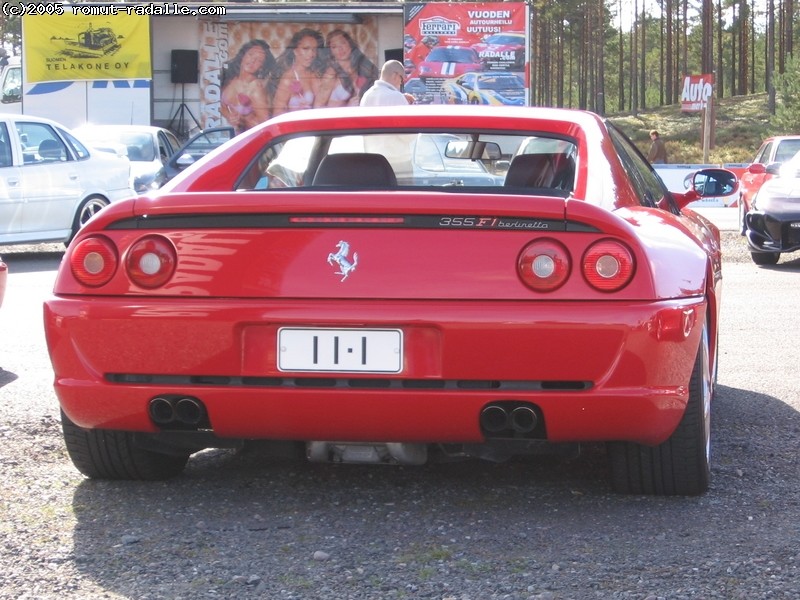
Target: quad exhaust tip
(504, 419)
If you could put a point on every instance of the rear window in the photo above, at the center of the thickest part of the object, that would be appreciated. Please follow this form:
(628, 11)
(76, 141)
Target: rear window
(441, 159)
(786, 150)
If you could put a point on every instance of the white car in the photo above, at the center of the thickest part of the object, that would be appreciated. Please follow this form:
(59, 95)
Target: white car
(51, 183)
(147, 147)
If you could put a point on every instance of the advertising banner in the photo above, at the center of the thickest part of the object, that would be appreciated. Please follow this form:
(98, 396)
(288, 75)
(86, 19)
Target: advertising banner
(467, 53)
(73, 47)
(252, 71)
(696, 91)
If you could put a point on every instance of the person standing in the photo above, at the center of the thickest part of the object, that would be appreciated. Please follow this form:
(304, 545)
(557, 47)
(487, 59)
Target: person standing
(420, 52)
(658, 150)
(386, 90)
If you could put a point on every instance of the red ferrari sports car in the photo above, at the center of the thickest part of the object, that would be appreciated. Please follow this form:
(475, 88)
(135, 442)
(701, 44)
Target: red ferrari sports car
(302, 284)
(3, 279)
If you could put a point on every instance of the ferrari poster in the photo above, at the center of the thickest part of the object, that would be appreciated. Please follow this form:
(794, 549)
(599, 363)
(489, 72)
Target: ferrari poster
(467, 53)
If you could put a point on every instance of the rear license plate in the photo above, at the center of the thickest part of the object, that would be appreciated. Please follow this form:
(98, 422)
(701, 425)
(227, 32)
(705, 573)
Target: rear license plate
(340, 350)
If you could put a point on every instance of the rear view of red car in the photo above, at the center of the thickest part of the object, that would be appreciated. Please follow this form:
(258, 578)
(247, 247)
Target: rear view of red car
(312, 283)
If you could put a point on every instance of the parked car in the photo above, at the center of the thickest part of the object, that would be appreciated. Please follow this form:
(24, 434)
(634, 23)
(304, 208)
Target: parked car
(773, 151)
(147, 147)
(448, 62)
(3, 279)
(484, 88)
(295, 285)
(435, 163)
(54, 183)
(502, 50)
(772, 225)
(198, 146)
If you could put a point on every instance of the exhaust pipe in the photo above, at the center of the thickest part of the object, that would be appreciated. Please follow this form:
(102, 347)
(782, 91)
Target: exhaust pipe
(162, 411)
(494, 419)
(189, 411)
(523, 419)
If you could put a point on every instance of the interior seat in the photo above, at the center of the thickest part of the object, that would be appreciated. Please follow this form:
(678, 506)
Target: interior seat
(355, 169)
(51, 150)
(530, 171)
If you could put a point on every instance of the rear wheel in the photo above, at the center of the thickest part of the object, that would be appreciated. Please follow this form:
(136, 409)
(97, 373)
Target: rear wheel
(765, 258)
(681, 465)
(105, 454)
(87, 210)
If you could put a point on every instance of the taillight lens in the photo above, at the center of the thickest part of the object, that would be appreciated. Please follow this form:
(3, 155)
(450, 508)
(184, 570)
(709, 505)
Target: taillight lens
(544, 265)
(94, 261)
(151, 261)
(608, 265)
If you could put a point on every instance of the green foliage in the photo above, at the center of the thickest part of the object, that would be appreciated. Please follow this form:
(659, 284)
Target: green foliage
(741, 124)
(787, 109)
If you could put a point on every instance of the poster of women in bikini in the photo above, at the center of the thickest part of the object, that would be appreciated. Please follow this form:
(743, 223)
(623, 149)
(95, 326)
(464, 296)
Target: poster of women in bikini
(250, 72)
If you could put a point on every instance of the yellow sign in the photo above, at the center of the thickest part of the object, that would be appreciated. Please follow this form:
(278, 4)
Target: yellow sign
(70, 47)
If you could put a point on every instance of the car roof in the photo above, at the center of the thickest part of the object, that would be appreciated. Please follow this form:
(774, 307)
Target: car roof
(12, 118)
(136, 128)
(400, 116)
(780, 138)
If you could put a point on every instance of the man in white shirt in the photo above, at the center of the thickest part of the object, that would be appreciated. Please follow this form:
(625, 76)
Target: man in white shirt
(386, 90)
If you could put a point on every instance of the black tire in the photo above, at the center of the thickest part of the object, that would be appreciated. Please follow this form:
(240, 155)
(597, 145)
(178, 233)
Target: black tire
(86, 211)
(681, 465)
(105, 454)
(765, 258)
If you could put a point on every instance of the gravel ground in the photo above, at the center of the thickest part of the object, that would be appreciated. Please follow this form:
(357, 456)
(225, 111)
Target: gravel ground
(248, 525)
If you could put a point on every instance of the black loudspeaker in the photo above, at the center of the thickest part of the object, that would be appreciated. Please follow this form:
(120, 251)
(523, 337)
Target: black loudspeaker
(184, 66)
(393, 54)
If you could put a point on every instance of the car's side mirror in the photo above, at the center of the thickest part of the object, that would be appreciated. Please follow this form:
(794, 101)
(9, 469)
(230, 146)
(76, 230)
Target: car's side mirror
(184, 160)
(707, 183)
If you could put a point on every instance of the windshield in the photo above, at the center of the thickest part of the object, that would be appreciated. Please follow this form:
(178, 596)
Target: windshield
(504, 39)
(459, 55)
(501, 82)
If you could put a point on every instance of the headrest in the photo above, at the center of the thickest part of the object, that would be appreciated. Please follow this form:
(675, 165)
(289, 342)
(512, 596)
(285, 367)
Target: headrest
(355, 169)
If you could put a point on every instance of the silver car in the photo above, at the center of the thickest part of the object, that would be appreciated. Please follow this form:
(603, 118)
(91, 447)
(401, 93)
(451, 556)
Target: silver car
(51, 182)
(148, 148)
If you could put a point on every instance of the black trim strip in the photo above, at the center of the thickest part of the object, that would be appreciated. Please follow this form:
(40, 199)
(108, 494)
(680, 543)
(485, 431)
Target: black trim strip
(475, 385)
(340, 221)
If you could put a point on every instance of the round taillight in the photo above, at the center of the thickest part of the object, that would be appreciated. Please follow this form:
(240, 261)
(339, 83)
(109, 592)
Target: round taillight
(608, 265)
(94, 261)
(544, 265)
(151, 261)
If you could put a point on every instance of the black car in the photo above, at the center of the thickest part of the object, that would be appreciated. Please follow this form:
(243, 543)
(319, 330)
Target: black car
(772, 225)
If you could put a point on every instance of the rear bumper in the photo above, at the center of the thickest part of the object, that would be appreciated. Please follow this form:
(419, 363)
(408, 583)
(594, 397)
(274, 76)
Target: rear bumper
(767, 232)
(597, 371)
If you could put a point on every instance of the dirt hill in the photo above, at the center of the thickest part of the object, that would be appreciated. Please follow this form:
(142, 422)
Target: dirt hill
(742, 122)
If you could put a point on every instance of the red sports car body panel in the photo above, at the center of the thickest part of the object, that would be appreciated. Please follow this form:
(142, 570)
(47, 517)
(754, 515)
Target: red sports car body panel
(3, 279)
(599, 365)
